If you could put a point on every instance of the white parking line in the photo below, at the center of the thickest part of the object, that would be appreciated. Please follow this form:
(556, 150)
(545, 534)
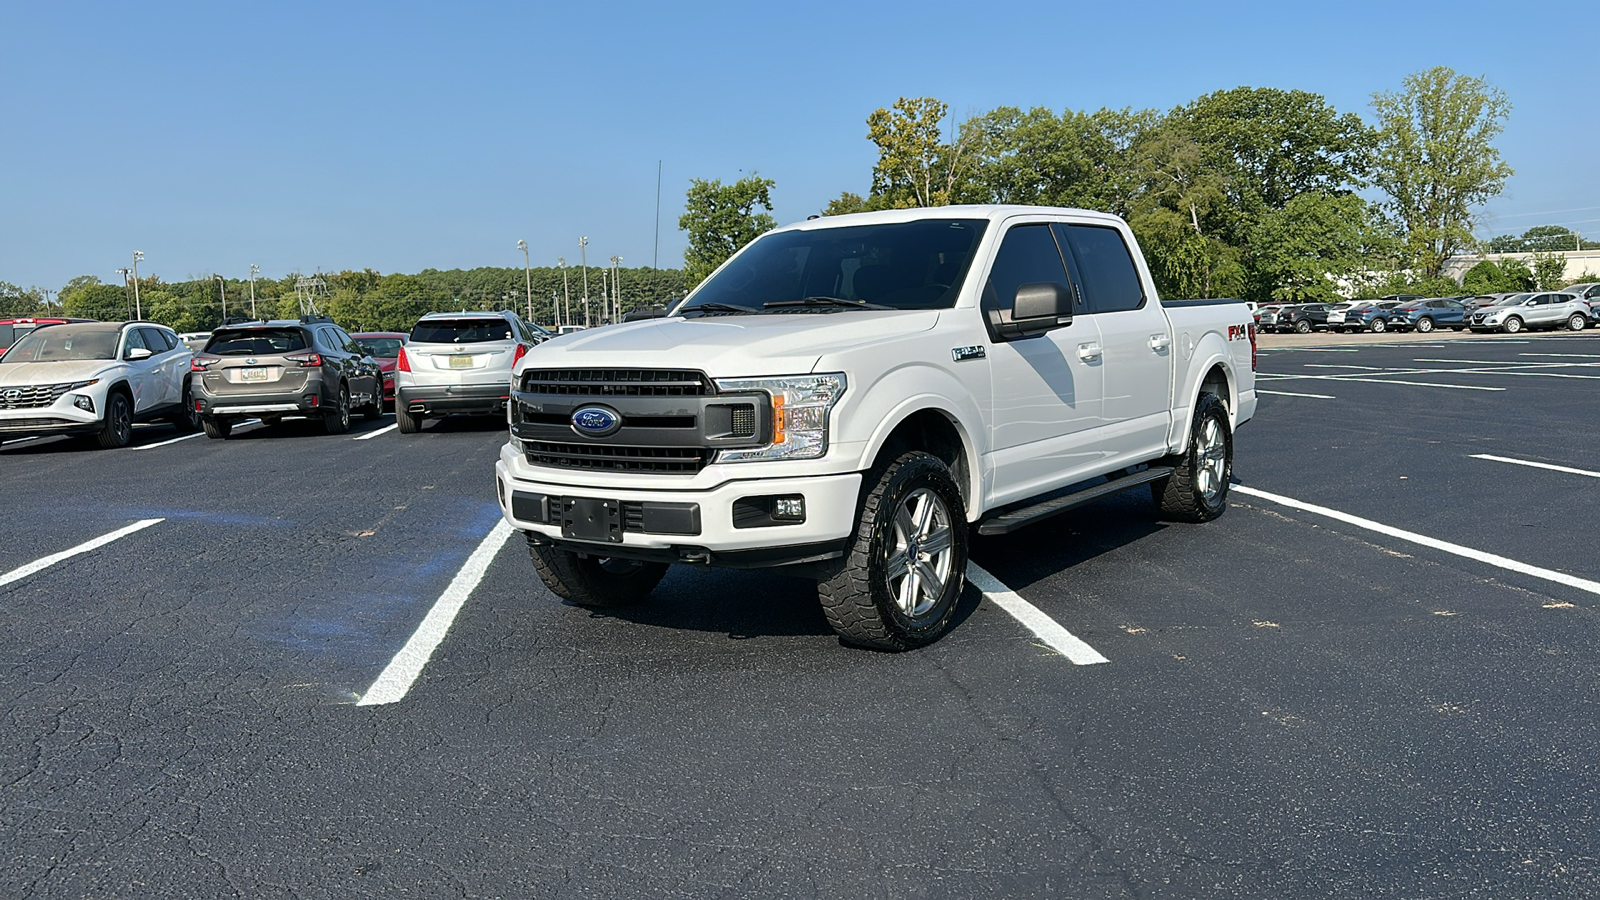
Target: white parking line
(1369, 380)
(38, 437)
(1536, 465)
(397, 678)
(372, 434)
(1493, 559)
(169, 441)
(1045, 628)
(46, 562)
(1293, 394)
(1575, 355)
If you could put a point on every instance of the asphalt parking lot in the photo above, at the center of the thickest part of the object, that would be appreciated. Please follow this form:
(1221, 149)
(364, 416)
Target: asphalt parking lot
(1375, 675)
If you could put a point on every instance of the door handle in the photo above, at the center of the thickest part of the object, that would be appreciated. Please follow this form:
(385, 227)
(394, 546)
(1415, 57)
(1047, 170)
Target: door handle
(1088, 352)
(1159, 342)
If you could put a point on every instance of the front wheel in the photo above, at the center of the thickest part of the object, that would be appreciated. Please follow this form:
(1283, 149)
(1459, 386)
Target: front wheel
(1302, 327)
(900, 578)
(1577, 322)
(595, 580)
(1379, 326)
(1424, 325)
(1513, 325)
(116, 429)
(1197, 490)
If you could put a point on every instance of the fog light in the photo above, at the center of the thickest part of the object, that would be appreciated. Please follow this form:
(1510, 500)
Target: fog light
(83, 402)
(789, 508)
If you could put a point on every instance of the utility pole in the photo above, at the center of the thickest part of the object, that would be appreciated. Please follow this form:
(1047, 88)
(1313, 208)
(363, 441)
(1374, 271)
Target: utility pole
(124, 273)
(616, 287)
(566, 295)
(253, 270)
(138, 310)
(655, 261)
(583, 250)
(223, 286)
(47, 293)
(527, 274)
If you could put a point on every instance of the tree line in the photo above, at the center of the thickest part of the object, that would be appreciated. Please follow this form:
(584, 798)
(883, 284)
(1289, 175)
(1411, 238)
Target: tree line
(1250, 192)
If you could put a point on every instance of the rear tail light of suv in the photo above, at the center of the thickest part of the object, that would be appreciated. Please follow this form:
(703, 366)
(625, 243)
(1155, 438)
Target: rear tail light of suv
(402, 362)
(306, 360)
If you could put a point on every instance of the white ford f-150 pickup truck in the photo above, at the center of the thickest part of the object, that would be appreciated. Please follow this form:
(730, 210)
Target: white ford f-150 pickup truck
(848, 397)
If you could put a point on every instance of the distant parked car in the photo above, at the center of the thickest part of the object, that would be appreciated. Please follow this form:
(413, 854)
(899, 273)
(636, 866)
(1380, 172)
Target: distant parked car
(1533, 310)
(1305, 318)
(384, 346)
(1274, 318)
(195, 339)
(1426, 315)
(94, 378)
(12, 330)
(1375, 318)
(459, 363)
(1589, 292)
(273, 370)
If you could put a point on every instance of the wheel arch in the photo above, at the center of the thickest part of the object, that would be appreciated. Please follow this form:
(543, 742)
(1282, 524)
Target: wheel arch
(931, 428)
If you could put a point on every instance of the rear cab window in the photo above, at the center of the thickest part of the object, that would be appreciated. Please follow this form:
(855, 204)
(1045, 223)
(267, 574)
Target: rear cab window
(462, 331)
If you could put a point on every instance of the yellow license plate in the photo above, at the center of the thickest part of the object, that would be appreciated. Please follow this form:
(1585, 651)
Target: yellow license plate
(260, 374)
(460, 362)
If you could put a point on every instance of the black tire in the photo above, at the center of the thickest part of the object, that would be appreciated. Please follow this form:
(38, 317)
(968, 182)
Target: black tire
(374, 411)
(337, 420)
(188, 421)
(1302, 327)
(1512, 325)
(859, 595)
(1577, 322)
(1458, 328)
(1379, 326)
(1196, 491)
(594, 580)
(116, 429)
(1424, 325)
(408, 423)
(216, 428)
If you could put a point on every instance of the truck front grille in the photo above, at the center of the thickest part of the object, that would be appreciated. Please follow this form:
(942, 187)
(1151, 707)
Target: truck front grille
(616, 382)
(608, 458)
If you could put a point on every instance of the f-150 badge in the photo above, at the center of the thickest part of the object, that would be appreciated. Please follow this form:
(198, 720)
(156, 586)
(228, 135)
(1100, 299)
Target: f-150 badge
(964, 353)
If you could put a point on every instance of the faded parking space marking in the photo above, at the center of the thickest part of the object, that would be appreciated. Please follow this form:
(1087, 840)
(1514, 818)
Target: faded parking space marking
(46, 562)
(396, 679)
(372, 434)
(1493, 559)
(1293, 394)
(1536, 465)
(1045, 628)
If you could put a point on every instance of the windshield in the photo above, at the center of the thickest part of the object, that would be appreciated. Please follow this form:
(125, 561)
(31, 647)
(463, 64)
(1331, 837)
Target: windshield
(262, 341)
(1514, 299)
(382, 348)
(901, 265)
(60, 342)
(461, 331)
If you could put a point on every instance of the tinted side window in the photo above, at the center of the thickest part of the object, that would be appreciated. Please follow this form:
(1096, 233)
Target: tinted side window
(152, 338)
(133, 341)
(1028, 255)
(1110, 280)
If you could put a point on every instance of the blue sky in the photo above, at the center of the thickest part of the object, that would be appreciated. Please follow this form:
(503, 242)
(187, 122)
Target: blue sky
(402, 136)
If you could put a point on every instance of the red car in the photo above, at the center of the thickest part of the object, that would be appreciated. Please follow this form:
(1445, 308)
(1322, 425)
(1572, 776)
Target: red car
(12, 329)
(384, 346)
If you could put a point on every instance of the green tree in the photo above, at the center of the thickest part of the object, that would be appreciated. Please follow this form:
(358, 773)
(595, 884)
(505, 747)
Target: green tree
(1302, 252)
(1075, 159)
(720, 219)
(15, 301)
(105, 302)
(1484, 278)
(1435, 158)
(1549, 271)
(1518, 277)
(915, 167)
(844, 204)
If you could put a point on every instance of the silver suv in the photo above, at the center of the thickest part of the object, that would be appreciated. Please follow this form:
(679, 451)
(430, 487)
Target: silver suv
(459, 363)
(1532, 310)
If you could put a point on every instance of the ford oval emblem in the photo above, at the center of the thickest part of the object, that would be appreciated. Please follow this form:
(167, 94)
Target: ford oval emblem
(596, 421)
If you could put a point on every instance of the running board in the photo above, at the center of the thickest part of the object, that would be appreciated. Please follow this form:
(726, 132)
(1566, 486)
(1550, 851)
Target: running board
(1028, 515)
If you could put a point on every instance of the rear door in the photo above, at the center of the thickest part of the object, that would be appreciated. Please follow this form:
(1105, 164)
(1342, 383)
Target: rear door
(1135, 337)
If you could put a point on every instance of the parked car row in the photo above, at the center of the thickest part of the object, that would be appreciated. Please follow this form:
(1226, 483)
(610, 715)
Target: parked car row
(100, 378)
(1574, 308)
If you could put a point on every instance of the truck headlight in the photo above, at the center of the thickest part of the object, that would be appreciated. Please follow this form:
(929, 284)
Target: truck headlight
(800, 405)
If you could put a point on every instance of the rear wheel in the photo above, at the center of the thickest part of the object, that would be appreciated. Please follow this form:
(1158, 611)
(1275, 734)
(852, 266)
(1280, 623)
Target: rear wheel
(595, 580)
(337, 420)
(1379, 325)
(1577, 322)
(216, 428)
(1424, 325)
(409, 424)
(116, 429)
(897, 586)
(374, 410)
(187, 421)
(1513, 325)
(1197, 490)
(1303, 326)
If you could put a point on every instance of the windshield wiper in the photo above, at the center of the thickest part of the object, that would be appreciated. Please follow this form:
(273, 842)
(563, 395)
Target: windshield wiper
(823, 301)
(718, 307)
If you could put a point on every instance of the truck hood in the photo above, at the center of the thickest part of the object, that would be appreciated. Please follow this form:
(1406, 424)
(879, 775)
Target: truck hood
(60, 372)
(729, 346)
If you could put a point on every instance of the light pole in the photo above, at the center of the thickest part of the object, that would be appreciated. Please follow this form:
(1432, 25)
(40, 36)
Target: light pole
(223, 286)
(583, 250)
(253, 270)
(566, 295)
(527, 274)
(138, 310)
(616, 287)
(47, 293)
(124, 273)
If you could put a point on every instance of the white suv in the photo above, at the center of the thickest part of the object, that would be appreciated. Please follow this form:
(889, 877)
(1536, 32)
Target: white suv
(459, 363)
(95, 378)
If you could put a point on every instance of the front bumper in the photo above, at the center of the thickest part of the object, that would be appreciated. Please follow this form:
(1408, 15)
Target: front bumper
(62, 416)
(686, 525)
(453, 398)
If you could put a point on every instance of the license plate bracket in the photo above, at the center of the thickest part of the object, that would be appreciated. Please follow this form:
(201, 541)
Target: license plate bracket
(591, 519)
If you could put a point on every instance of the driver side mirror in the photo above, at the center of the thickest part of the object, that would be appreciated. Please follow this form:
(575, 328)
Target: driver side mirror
(137, 353)
(1039, 307)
